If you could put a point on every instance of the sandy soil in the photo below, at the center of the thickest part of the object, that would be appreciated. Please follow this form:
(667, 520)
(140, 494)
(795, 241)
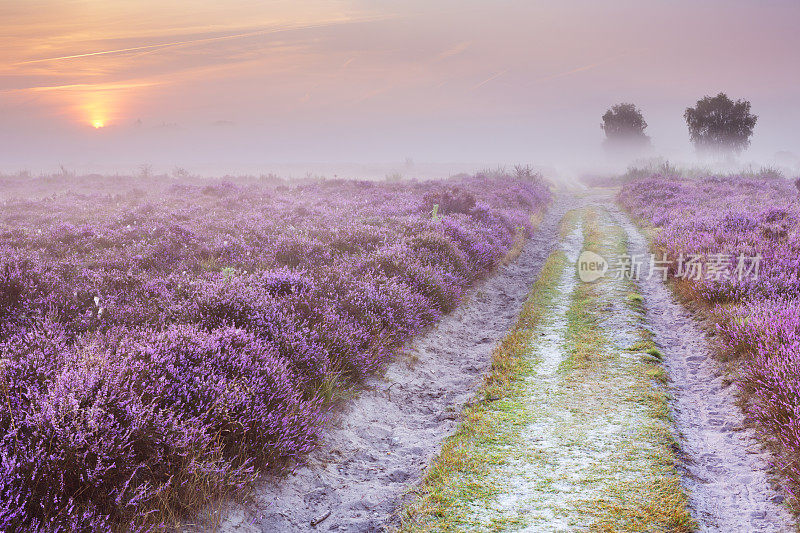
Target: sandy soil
(724, 467)
(529, 489)
(581, 445)
(383, 439)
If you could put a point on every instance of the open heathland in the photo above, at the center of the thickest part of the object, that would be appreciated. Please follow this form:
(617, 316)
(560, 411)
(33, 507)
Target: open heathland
(159, 348)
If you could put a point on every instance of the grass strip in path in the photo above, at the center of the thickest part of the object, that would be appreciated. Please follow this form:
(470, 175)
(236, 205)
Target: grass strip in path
(460, 474)
(653, 498)
(572, 429)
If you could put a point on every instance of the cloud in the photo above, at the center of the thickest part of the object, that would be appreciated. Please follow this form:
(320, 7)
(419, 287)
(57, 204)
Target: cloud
(205, 40)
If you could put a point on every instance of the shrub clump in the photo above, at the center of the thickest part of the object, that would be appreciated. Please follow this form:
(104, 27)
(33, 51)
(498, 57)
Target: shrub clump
(155, 353)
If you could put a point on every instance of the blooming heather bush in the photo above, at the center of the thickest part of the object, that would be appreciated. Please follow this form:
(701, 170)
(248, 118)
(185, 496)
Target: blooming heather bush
(160, 347)
(759, 317)
(450, 200)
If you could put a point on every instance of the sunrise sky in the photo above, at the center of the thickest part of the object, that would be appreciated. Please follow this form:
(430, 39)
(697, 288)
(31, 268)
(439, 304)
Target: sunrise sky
(245, 85)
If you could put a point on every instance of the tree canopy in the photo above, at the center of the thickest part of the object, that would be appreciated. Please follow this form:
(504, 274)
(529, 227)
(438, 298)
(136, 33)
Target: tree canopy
(624, 127)
(719, 125)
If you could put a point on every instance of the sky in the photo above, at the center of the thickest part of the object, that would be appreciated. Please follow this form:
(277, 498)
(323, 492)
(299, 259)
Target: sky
(251, 86)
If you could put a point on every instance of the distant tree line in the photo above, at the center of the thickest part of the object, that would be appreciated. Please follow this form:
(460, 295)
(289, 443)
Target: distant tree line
(717, 126)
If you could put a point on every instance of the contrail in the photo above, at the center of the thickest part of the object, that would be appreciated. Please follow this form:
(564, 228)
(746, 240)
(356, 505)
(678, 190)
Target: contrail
(587, 67)
(79, 86)
(490, 78)
(454, 51)
(204, 40)
(562, 74)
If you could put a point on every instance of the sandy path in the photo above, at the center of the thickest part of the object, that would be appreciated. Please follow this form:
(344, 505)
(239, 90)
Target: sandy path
(576, 440)
(724, 467)
(384, 438)
(537, 489)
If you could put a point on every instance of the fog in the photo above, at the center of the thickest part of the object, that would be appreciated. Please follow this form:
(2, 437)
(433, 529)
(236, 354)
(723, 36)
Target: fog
(366, 88)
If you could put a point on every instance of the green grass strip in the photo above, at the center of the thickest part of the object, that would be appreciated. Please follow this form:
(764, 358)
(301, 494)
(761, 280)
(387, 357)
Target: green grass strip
(459, 477)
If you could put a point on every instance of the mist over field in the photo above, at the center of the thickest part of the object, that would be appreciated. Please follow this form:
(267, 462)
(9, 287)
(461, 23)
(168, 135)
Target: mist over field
(357, 88)
(430, 265)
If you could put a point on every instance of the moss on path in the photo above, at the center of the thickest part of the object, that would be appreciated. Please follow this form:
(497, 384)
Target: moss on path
(572, 428)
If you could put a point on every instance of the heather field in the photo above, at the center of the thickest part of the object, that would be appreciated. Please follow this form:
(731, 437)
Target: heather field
(712, 222)
(253, 280)
(161, 345)
(258, 354)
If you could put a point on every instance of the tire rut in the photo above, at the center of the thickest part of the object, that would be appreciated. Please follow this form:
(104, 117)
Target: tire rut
(381, 442)
(724, 467)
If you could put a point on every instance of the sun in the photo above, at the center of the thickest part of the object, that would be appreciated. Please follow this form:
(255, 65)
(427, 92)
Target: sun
(98, 124)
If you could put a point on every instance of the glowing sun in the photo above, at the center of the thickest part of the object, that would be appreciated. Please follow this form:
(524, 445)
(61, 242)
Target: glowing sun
(98, 124)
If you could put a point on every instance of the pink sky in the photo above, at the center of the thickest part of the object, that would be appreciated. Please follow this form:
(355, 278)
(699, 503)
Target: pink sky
(246, 85)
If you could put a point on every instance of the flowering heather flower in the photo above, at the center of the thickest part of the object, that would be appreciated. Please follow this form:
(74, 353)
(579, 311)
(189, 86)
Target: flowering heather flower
(758, 316)
(150, 345)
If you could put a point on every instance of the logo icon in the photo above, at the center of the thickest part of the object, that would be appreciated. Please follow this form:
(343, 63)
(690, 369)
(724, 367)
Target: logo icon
(591, 266)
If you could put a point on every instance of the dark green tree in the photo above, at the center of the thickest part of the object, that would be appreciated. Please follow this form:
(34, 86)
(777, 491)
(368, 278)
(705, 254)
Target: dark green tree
(624, 127)
(718, 125)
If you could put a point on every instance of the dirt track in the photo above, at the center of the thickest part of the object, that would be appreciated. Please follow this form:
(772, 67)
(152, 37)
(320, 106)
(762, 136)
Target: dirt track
(383, 439)
(724, 467)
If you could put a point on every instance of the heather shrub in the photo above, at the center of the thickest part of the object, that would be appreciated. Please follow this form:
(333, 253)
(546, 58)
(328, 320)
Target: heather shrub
(284, 283)
(15, 285)
(295, 252)
(160, 347)
(234, 385)
(450, 200)
(238, 303)
(82, 450)
(482, 251)
(354, 349)
(766, 334)
(440, 288)
(434, 249)
(753, 215)
(220, 190)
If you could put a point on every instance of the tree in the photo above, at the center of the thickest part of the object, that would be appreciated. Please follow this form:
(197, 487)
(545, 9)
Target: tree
(624, 127)
(720, 125)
